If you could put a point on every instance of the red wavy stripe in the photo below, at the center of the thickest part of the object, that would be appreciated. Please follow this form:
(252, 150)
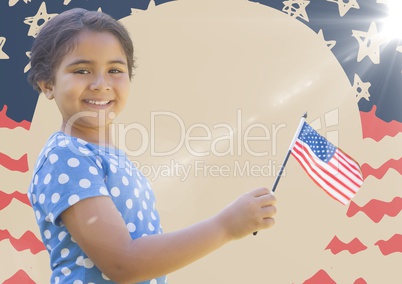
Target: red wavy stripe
(379, 173)
(336, 246)
(393, 245)
(321, 277)
(5, 199)
(27, 241)
(20, 165)
(360, 281)
(20, 277)
(7, 122)
(375, 128)
(377, 209)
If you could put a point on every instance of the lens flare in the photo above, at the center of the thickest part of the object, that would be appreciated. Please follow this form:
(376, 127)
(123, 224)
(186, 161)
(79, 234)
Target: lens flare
(393, 23)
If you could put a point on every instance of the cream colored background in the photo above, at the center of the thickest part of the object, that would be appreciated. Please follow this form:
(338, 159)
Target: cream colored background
(205, 61)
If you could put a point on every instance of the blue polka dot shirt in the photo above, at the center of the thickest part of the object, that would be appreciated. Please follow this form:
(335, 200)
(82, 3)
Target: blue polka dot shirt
(69, 170)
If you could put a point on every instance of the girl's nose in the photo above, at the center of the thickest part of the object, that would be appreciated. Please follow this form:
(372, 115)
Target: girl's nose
(100, 83)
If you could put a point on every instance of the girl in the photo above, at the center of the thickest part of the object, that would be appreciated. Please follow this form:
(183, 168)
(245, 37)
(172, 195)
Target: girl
(95, 210)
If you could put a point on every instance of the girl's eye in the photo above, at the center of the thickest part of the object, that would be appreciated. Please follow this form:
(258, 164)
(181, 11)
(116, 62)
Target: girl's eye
(115, 71)
(81, 71)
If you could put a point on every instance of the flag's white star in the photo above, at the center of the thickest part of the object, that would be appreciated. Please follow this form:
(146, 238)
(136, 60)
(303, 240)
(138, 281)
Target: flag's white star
(329, 43)
(66, 2)
(13, 2)
(361, 88)
(369, 43)
(151, 6)
(26, 69)
(37, 21)
(345, 7)
(3, 55)
(296, 8)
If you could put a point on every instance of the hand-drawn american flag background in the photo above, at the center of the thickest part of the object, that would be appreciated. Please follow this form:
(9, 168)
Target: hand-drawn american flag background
(349, 28)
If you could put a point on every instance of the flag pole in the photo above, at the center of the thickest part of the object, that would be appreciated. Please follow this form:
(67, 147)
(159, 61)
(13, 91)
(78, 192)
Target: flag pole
(278, 177)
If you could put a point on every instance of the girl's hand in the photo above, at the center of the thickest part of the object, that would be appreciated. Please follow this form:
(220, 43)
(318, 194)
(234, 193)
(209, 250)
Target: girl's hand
(250, 212)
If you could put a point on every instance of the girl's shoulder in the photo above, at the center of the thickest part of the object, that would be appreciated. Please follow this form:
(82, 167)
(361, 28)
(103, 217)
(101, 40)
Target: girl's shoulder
(63, 147)
(70, 149)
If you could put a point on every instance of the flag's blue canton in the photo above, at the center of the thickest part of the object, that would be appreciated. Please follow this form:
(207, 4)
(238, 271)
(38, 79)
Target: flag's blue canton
(15, 88)
(385, 78)
(321, 147)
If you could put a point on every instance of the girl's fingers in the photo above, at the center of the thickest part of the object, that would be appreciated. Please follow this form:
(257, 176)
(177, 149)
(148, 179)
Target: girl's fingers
(268, 223)
(268, 211)
(266, 200)
(260, 192)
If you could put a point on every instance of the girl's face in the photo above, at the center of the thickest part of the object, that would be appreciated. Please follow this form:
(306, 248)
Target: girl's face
(92, 82)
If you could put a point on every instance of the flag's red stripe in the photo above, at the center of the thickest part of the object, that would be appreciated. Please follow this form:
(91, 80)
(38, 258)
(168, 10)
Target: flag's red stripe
(356, 175)
(325, 171)
(312, 167)
(27, 241)
(7, 122)
(393, 245)
(346, 173)
(349, 163)
(314, 179)
(5, 198)
(321, 277)
(20, 165)
(20, 277)
(326, 185)
(336, 246)
(357, 179)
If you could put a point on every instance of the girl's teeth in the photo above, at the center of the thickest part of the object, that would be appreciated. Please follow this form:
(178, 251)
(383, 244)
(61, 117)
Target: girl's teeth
(97, 102)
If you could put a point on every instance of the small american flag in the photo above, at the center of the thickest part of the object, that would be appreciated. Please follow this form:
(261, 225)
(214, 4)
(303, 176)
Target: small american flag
(328, 166)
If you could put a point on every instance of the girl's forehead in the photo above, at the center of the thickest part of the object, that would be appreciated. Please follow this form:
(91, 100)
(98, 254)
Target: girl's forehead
(97, 45)
(93, 38)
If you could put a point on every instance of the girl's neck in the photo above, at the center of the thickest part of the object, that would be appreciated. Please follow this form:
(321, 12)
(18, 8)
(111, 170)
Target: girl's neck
(99, 136)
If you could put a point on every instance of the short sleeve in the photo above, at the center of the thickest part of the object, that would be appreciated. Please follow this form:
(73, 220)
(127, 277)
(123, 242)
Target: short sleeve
(65, 177)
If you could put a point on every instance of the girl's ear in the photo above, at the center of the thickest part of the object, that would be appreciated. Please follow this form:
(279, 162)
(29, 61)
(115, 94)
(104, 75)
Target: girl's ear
(47, 89)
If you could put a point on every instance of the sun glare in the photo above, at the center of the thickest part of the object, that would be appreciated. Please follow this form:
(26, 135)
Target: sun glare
(393, 23)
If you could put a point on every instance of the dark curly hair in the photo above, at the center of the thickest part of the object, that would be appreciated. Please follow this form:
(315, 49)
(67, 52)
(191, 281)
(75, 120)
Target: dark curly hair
(58, 37)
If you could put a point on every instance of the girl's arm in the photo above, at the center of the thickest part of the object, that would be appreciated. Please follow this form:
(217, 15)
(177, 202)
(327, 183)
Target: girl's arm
(98, 228)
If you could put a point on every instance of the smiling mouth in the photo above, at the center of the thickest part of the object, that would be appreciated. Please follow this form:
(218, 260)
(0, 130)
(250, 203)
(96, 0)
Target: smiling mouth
(97, 103)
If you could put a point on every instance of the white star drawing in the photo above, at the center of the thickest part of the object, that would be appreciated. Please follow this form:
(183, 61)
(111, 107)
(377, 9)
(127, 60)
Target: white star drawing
(3, 55)
(151, 6)
(345, 7)
(296, 8)
(28, 67)
(37, 21)
(329, 43)
(66, 2)
(361, 88)
(369, 43)
(13, 2)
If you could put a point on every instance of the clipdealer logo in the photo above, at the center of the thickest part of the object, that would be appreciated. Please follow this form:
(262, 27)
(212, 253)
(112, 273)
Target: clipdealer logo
(200, 143)
(238, 138)
(239, 149)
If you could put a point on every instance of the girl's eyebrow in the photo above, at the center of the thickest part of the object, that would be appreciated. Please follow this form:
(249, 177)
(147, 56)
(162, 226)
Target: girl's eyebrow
(83, 61)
